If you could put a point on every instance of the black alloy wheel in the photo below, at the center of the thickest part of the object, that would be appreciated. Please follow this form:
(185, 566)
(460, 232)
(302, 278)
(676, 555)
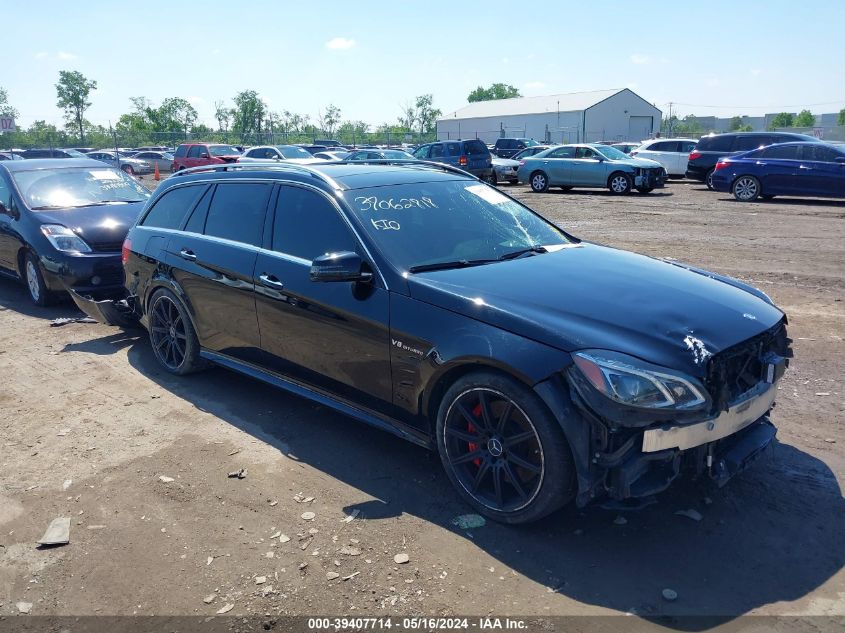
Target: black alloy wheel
(494, 450)
(172, 335)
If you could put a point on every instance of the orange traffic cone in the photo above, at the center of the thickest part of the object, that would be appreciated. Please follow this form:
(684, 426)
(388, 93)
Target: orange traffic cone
(156, 174)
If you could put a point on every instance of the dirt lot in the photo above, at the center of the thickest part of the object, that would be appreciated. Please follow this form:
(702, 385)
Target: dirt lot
(90, 424)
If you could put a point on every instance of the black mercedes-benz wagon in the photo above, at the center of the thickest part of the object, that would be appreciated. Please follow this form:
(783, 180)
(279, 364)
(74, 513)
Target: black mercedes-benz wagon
(414, 297)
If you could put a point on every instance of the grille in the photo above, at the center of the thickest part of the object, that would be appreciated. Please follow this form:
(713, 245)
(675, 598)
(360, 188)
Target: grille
(107, 247)
(734, 371)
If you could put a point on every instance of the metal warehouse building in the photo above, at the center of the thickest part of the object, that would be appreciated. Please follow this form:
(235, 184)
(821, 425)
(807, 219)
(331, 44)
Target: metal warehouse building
(578, 117)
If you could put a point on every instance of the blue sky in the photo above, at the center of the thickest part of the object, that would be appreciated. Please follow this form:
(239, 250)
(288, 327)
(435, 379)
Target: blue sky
(368, 58)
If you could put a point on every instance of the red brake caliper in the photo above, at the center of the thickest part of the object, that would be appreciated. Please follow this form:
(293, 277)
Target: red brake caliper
(471, 428)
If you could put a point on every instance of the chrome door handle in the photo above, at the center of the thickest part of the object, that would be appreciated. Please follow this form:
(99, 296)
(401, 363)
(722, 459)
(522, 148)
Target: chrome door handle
(188, 254)
(803, 167)
(271, 282)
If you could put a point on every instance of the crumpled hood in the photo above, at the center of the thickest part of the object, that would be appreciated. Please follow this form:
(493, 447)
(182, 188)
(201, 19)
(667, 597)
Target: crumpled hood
(103, 224)
(591, 296)
(642, 163)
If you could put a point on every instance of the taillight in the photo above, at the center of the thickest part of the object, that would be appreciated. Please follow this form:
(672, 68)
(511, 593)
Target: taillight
(721, 165)
(462, 160)
(124, 252)
(694, 155)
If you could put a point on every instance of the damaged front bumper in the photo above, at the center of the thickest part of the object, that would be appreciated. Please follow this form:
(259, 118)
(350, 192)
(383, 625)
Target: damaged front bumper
(629, 462)
(111, 308)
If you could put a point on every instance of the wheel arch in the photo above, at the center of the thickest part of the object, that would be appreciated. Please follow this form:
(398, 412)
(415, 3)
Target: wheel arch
(610, 176)
(164, 282)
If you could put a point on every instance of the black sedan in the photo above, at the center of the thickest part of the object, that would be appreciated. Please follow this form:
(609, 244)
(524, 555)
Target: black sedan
(414, 297)
(62, 224)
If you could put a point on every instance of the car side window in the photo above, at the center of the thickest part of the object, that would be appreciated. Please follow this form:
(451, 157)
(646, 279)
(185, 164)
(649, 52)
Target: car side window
(272, 152)
(687, 146)
(584, 152)
(5, 193)
(171, 208)
(820, 153)
(783, 152)
(454, 149)
(563, 152)
(423, 152)
(181, 151)
(237, 212)
(307, 225)
(194, 152)
(745, 143)
(436, 151)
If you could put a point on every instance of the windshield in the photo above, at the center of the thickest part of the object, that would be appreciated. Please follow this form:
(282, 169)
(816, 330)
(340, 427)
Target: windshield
(395, 153)
(530, 142)
(222, 150)
(432, 222)
(293, 152)
(77, 187)
(611, 153)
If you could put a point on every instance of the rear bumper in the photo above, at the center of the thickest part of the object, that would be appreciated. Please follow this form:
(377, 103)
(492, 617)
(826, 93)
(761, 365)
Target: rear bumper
(111, 307)
(696, 172)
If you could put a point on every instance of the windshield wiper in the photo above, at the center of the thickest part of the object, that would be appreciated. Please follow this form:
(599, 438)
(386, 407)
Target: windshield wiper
(523, 251)
(458, 263)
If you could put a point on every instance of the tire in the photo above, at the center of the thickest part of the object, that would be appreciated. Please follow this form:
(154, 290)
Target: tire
(128, 169)
(746, 188)
(645, 189)
(565, 188)
(620, 183)
(523, 469)
(39, 294)
(491, 179)
(708, 179)
(539, 182)
(172, 335)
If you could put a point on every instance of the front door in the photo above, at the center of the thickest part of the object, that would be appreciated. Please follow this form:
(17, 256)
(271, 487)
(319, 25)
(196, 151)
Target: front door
(587, 169)
(819, 173)
(9, 241)
(213, 261)
(333, 335)
(558, 165)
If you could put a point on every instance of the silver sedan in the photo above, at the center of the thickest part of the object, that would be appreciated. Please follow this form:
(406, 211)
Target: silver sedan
(163, 159)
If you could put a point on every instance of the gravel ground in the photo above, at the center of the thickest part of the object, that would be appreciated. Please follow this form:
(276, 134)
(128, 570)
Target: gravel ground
(93, 430)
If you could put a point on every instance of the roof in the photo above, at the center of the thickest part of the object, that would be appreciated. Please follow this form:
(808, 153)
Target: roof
(565, 102)
(347, 175)
(33, 164)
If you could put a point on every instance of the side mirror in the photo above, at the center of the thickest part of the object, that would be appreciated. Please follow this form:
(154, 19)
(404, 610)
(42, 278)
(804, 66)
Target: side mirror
(840, 160)
(342, 266)
(11, 212)
(203, 154)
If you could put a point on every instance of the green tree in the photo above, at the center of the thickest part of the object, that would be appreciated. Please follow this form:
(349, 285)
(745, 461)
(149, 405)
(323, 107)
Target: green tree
(805, 118)
(248, 113)
(841, 119)
(73, 90)
(783, 119)
(736, 123)
(426, 113)
(6, 108)
(496, 91)
(409, 116)
(175, 114)
(329, 120)
(223, 114)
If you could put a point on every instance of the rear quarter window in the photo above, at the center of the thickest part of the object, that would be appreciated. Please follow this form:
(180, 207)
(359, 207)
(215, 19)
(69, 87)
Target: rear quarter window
(716, 143)
(475, 147)
(170, 209)
(745, 143)
(181, 151)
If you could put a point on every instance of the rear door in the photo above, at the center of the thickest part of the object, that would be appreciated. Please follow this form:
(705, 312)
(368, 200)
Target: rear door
(479, 158)
(331, 335)
(819, 173)
(778, 169)
(558, 165)
(213, 261)
(193, 157)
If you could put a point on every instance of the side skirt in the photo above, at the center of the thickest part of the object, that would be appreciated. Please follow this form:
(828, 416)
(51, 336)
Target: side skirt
(321, 397)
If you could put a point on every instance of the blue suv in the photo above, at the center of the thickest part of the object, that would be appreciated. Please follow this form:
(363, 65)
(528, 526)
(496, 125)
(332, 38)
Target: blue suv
(472, 156)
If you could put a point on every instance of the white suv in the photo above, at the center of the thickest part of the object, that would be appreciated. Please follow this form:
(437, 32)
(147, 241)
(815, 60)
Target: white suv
(672, 153)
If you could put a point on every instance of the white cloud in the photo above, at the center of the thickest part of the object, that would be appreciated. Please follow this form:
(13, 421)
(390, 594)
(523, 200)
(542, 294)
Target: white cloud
(534, 85)
(65, 56)
(639, 58)
(340, 43)
(195, 100)
(41, 55)
(632, 86)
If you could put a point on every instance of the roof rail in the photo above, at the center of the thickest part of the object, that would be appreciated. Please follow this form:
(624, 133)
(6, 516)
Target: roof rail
(317, 173)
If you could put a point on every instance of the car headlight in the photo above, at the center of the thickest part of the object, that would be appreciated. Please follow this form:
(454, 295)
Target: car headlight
(63, 239)
(632, 382)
